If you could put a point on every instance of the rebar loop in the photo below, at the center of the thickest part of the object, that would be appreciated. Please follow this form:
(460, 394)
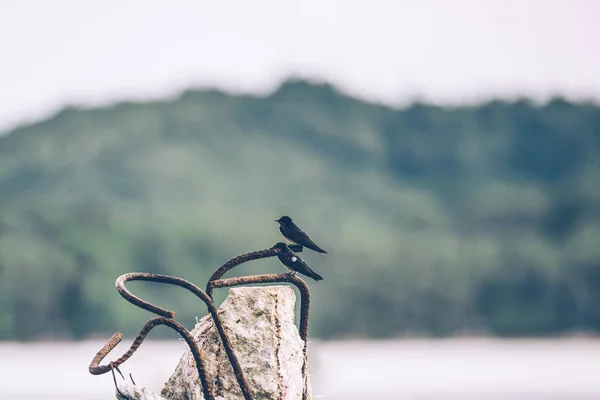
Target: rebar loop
(234, 262)
(304, 303)
(96, 369)
(212, 309)
(215, 281)
(242, 258)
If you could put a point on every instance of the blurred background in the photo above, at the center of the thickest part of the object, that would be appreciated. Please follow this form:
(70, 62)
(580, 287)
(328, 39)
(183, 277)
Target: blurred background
(445, 153)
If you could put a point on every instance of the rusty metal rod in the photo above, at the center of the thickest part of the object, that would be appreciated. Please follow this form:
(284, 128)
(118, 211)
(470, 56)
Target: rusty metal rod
(96, 369)
(234, 262)
(212, 309)
(272, 278)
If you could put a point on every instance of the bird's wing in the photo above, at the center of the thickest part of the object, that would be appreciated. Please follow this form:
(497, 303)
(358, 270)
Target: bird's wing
(294, 228)
(294, 233)
(308, 240)
(301, 266)
(299, 233)
(298, 236)
(297, 261)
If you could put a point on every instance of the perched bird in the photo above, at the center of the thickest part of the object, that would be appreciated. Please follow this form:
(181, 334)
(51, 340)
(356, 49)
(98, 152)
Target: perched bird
(292, 262)
(290, 231)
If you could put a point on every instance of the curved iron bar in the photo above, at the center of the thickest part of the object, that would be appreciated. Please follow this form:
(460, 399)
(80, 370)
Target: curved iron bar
(212, 309)
(234, 262)
(242, 258)
(96, 369)
(271, 278)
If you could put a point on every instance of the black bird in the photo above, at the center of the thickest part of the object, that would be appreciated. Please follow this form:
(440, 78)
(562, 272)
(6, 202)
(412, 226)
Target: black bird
(292, 233)
(292, 262)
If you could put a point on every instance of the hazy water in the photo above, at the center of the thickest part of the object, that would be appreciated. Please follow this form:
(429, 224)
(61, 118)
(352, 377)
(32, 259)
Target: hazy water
(406, 369)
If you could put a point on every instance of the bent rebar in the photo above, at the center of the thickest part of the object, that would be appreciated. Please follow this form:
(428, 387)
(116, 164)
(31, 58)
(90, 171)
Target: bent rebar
(96, 369)
(242, 258)
(212, 309)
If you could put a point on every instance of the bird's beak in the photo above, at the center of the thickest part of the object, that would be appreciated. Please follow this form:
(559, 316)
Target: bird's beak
(276, 220)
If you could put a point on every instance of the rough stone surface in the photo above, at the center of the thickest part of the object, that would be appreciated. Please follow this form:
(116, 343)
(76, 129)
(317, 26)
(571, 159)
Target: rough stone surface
(260, 324)
(132, 392)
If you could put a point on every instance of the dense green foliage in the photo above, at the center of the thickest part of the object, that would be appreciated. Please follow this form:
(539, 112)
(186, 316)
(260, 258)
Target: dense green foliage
(437, 220)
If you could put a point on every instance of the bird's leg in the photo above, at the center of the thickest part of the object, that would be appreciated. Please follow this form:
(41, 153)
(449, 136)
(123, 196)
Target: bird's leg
(291, 273)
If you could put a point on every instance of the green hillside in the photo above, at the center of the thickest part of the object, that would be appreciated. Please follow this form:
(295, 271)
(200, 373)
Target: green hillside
(437, 220)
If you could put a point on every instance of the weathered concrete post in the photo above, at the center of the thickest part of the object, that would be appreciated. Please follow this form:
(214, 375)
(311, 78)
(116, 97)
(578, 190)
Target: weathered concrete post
(259, 322)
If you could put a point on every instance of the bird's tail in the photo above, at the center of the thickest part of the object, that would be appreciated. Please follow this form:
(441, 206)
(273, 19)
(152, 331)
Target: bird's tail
(313, 246)
(315, 276)
(317, 248)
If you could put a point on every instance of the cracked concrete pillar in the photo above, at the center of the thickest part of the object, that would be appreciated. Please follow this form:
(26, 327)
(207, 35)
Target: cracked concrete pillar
(259, 321)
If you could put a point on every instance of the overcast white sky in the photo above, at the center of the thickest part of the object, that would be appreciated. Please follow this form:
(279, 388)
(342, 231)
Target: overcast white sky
(59, 52)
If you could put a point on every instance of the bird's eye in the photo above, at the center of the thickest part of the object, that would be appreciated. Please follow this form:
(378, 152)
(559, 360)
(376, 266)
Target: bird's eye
(294, 259)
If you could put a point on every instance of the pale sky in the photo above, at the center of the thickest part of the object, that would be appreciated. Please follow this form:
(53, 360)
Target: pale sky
(59, 52)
